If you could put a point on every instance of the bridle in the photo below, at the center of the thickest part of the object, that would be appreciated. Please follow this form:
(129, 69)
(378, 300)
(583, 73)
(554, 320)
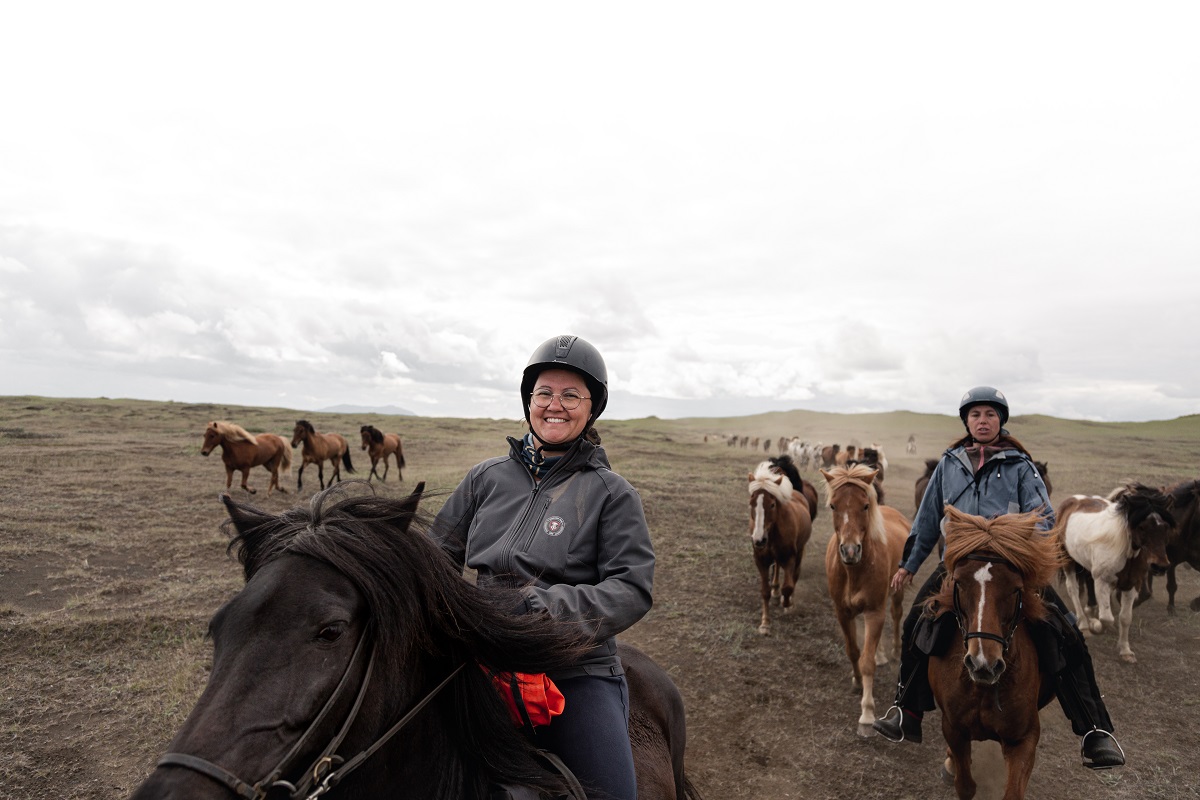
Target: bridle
(329, 768)
(961, 615)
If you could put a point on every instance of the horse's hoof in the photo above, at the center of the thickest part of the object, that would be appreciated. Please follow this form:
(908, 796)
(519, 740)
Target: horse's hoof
(764, 630)
(1129, 658)
(946, 775)
(865, 731)
(1097, 626)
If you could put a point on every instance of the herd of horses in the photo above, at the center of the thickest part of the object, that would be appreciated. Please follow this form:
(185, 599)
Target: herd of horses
(349, 587)
(988, 683)
(242, 451)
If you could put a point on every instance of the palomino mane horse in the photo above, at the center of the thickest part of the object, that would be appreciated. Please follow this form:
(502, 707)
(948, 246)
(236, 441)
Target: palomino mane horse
(867, 544)
(379, 446)
(319, 447)
(1117, 540)
(989, 683)
(349, 666)
(781, 518)
(1184, 546)
(242, 451)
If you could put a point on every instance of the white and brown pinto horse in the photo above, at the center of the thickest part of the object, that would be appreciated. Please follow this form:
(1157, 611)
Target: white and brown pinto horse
(782, 507)
(1117, 539)
(867, 544)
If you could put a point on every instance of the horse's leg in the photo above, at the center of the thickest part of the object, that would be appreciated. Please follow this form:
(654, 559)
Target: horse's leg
(1171, 587)
(300, 474)
(1123, 625)
(321, 472)
(1104, 590)
(872, 631)
(1018, 761)
(960, 758)
(228, 477)
(850, 638)
(374, 472)
(764, 572)
(245, 478)
(791, 571)
(1077, 603)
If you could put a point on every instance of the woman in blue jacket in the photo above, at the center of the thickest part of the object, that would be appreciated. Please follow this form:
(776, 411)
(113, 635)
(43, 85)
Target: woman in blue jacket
(989, 473)
(552, 519)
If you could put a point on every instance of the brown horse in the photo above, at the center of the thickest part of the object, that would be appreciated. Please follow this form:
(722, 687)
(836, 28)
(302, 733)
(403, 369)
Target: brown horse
(1184, 547)
(318, 447)
(780, 525)
(241, 451)
(867, 544)
(380, 445)
(989, 683)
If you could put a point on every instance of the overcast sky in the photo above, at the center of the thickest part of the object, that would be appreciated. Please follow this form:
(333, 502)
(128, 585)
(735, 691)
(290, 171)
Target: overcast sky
(746, 206)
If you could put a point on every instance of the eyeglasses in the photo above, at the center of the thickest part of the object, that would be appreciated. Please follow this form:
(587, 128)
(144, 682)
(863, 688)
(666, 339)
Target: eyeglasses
(569, 399)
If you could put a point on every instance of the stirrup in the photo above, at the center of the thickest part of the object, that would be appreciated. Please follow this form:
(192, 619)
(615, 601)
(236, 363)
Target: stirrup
(1093, 765)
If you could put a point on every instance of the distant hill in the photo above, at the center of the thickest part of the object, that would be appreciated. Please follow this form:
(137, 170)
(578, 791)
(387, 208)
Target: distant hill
(349, 409)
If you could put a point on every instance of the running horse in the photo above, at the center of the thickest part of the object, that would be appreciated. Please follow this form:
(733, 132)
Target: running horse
(867, 544)
(1117, 539)
(782, 508)
(319, 447)
(988, 682)
(1184, 546)
(242, 451)
(349, 667)
(380, 445)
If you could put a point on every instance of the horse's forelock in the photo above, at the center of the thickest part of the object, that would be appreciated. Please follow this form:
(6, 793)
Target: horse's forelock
(858, 476)
(1012, 537)
(766, 479)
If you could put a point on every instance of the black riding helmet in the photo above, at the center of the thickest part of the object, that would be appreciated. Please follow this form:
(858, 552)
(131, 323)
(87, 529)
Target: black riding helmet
(576, 355)
(984, 395)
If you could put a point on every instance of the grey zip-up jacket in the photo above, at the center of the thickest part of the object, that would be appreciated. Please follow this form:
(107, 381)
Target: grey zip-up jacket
(1007, 483)
(578, 539)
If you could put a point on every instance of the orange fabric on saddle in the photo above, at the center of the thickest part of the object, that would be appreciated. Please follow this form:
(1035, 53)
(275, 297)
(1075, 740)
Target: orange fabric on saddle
(531, 698)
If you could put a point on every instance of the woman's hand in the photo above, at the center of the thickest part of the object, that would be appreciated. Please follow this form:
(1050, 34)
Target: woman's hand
(901, 579)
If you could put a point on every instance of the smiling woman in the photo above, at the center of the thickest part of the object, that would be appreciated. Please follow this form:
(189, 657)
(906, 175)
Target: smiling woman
(554, 521)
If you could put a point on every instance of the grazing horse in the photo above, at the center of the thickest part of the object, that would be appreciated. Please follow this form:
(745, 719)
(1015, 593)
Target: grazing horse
(241, 451)
(349, 666)
(1184, 546)
(780, 525)
(989, 683)
(1117, 539)
(867, 544)
(380, 445)
(317, 448)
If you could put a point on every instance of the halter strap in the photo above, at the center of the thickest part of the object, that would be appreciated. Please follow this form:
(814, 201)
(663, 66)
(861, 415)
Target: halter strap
(960, 615)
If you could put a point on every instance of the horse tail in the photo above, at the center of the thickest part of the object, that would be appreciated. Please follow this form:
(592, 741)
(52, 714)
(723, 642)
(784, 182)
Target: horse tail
(400, 453)
(346, 460)
(285, 464)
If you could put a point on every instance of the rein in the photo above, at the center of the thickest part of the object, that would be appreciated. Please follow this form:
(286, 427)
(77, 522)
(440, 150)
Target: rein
(328, 769)
(961, 615)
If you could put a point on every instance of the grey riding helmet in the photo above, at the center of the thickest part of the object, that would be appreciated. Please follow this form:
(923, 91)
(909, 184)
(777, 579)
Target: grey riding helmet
(572, 353)
(983, 395)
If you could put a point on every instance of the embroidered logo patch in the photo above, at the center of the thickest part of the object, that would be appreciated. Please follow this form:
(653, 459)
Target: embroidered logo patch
(553, 526)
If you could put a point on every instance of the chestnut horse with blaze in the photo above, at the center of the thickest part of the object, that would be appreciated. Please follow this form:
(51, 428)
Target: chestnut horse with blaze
(867, 544)
(319, 447)
(241, 450)
(989, 683)
(781, 516)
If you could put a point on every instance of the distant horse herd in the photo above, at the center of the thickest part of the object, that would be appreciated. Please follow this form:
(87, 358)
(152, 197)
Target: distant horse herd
(241, 451)
(1105, 550)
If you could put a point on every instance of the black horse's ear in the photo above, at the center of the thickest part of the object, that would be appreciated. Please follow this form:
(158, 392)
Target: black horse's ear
(409, 507)
(244, 518)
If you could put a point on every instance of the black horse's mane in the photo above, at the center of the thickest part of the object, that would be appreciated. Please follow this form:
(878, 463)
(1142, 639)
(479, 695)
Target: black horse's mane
(374, 433)
(426, 619)
(1137, 501)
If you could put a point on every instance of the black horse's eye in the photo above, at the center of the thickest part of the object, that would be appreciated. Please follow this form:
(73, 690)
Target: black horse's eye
(332, 632)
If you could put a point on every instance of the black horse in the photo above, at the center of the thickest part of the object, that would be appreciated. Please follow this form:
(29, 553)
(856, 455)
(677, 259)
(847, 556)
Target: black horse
(1184, 546)
(351, 662)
